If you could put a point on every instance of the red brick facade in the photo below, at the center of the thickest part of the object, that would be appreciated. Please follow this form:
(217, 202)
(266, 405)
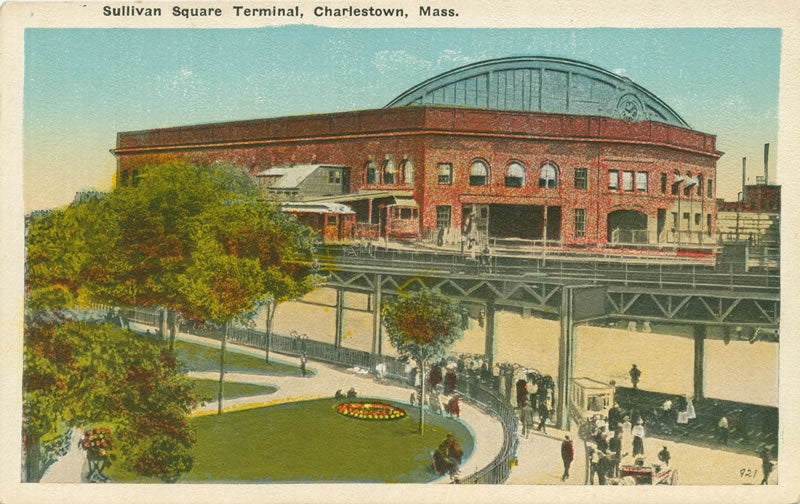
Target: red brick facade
(429, 136)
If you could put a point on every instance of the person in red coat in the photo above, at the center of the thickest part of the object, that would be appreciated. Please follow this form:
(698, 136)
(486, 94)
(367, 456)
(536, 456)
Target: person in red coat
(567, 455)
(454, 406)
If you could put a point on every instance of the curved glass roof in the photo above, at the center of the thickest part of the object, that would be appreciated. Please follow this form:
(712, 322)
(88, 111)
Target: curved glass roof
(541, 84)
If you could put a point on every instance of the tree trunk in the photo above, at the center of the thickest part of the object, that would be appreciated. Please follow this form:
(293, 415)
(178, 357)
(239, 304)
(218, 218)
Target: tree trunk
(421, 395)
(32, 460)
(173, 323)
(222, 369)
(270, 317)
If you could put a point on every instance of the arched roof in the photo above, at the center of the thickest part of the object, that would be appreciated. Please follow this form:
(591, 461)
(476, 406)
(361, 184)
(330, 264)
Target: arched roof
(541, 84)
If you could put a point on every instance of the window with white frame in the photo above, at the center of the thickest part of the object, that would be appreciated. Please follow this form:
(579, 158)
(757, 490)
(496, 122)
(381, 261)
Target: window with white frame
(478, 173)
(613, 179)
(408, 172)
(515, 175)
(445, 173)
(549, 176)
(641, 181)
(627, 181)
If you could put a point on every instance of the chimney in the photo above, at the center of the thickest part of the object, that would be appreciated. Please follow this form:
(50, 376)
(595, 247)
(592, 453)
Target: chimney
(766, 163)
(744, 179)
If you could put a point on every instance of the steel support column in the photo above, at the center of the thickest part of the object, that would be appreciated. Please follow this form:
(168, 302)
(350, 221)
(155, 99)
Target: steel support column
(699, 361)
(491, 331)
(337, 340)
(566, 359)
(377, 335)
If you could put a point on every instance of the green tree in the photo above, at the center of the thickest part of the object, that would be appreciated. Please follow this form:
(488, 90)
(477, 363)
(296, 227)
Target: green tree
(246, 254)
(82, 373)
(422, 325)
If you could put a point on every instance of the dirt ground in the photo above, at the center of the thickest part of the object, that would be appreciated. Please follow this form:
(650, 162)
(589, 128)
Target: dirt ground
(739, 371)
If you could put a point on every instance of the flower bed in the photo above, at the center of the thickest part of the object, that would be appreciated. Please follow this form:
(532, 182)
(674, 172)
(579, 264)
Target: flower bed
(370, 410)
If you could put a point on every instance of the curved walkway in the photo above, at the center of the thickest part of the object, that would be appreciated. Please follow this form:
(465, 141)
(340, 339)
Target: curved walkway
(329, 378)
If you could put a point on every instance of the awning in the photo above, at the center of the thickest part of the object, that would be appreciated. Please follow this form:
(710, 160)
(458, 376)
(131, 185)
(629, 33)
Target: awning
(366, 195)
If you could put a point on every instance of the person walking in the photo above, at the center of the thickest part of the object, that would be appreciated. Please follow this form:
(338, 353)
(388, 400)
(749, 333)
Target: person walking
(635, 374)
(303, 360)
(615, 445)
(543, 414)
(638, 439)
(567, 455)
(766, 465)
(450, 381)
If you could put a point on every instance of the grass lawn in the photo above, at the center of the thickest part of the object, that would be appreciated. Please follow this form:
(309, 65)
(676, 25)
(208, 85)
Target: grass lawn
(309, 441)
(207, 389)
(197, 357)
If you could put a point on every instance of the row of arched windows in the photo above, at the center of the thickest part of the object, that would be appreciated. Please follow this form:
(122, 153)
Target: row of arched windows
(388, 173)
(514, 174)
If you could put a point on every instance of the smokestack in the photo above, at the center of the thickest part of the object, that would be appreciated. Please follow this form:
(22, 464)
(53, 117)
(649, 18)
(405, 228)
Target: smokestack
(744, 172)
(766, 163)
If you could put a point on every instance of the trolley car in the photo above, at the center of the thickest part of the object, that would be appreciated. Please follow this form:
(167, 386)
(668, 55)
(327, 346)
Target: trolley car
(333, 222)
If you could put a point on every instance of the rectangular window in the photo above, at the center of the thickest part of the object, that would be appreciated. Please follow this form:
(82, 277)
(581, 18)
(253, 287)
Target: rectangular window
(580, 222)
(405, 213)
(581, 178)
(663, 183)
(333, 177)
(135, 177)
(442, 216)
(641, 181)
(708, 224)
(710, 190)
(686, 216)
(675, 219)
(613, 179)
(123, 175)
(445, 174)
(627, 181)
(697, 219)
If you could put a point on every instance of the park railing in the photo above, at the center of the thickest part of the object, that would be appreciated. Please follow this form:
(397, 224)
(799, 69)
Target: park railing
(469, 387)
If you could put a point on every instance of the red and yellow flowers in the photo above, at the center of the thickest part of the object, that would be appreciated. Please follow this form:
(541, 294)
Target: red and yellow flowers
(370, 410)
(98, 441)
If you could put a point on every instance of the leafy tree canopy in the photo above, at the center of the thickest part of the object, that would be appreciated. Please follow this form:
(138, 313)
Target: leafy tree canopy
(422, 324)
(81, 373)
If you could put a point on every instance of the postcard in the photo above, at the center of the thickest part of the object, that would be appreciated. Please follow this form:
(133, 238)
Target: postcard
(379, 251)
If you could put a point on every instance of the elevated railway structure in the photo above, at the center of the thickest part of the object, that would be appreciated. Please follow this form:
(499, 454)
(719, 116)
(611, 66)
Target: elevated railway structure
(685, 294)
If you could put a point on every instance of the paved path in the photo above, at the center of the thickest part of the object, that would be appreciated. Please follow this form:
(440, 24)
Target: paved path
(540, 462)
(487, 430)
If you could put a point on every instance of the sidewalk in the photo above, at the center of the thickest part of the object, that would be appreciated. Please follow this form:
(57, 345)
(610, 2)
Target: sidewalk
(539, 462)
(487, 430)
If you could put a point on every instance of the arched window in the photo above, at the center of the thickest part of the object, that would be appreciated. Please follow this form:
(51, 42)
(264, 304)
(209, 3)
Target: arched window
(388, 172)
(549, 176)
(478, 173)
(408, 172)
(370, 173)
(515, 176)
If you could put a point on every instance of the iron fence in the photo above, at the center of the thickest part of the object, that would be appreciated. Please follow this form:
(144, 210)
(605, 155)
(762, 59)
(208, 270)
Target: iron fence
(468, 387)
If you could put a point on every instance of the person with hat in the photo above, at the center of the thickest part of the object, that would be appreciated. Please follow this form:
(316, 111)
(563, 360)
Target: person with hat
(664, 456)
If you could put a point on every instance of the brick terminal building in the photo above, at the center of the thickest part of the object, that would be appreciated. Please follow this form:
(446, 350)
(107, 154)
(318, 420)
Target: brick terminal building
(528, 148)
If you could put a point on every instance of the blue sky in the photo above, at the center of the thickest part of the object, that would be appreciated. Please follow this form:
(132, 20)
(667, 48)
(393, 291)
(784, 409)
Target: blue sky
(84, 85)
